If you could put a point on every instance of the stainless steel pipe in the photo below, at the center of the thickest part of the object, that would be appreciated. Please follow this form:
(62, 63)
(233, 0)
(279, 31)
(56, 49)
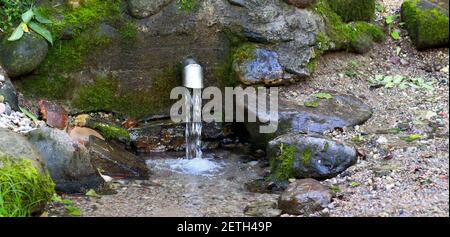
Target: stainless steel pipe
(192, 74)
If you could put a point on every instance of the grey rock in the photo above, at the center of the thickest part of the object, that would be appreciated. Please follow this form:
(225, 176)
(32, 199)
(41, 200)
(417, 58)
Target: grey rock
(314, 156)
(144, 8)
(23, 56)
(340, 111)
(116, 161)
(17, 146)
(304, 197)
(8, 91)
(262, 68)
(262, 209)
(68, 162)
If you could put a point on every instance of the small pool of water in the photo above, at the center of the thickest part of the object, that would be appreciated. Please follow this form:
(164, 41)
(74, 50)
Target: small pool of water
(206, 166)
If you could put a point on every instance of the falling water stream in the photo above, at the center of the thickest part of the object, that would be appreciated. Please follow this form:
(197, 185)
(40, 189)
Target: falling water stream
(194, 125)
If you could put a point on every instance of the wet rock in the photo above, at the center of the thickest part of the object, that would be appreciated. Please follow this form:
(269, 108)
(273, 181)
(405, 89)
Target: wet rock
(23, 56)
(15, 145)
(427, 22)
(164, 135)
(68, 162)
(7, 91)
(340, 111)
(81, 134)
(265, 186)
(53, 114)
(144, 8)
(114, 161)
(261, 68)
(301, 3)
(303, 156)
(304, 197)
(262, 209)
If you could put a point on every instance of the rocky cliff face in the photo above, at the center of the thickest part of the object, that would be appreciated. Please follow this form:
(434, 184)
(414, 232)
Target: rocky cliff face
(129, 64)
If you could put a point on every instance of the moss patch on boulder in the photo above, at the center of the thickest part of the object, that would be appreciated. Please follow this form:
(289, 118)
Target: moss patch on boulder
(356, 36)
(282, 167)
(22, 189)
(354, 10)
(427, 23)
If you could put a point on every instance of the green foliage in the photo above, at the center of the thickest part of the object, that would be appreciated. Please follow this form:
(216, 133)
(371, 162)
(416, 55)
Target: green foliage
(32, 21)
(426, 27)
(412, 138)
(312, 104)
(244, 52)
(11, 12)
(111, 132)
(22, 188)
(187, 5)
(282, 167)
(68, 205)
(354, 10)
(354, 184)
(342, 36)
(323, 95)
(401, 82)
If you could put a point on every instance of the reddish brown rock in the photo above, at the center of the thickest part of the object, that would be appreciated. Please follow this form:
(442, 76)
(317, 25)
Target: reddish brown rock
(130, 123)
(53, 114)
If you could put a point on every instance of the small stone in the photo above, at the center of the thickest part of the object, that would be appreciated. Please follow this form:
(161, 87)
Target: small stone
(262, 209)
(305, 197)
(382, 140)
(81, 134)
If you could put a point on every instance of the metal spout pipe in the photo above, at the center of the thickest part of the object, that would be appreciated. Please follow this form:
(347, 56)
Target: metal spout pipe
(192, 74)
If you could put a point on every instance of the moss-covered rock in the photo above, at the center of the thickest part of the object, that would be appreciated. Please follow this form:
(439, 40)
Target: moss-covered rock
(301, 156)
(354, 10)
(25, 186)
(23, 190)
(357, 36)
(22, 56)
(427, 23)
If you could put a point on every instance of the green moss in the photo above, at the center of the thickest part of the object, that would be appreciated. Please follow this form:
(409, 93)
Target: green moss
(105, 94)
(128, 31)
(282, 167)
(354, 10)
(427, 27)
(305, 157)
(22, 188)
(244, 52)
(98, 95)
(51, 87)
(342, 36)
(111, 132)
(326, 147)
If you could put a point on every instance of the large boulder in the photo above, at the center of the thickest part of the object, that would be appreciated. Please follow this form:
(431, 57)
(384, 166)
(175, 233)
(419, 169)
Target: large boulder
(15, 145)
(427, 22)
(68, 162)
(114, 161)
(304, 197)
(23, 56)
(8, 91)
(22, 170)
(310, 116)
(302, 156)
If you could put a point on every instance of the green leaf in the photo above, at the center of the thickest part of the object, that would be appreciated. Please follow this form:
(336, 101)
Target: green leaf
(389, 20)
(354, 184)
(42, 31)
(73, 211)
(322, 95)
(17, 34)
(92, 193)
(398, 79)
(395, 35)
(29, 114)
(27, 16)
(312, 104)
(41, 19)
(67, 202)
(57, 198)
(398, 50)
(412, 138)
